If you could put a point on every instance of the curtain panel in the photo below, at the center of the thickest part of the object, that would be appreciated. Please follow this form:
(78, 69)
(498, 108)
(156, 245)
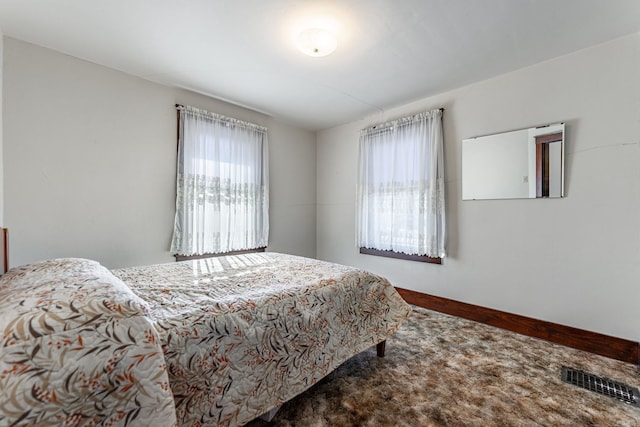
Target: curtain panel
(222, 190)
(400, 192)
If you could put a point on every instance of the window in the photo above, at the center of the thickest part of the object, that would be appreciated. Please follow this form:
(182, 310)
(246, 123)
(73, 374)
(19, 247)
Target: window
(401, 188)
(222, 191)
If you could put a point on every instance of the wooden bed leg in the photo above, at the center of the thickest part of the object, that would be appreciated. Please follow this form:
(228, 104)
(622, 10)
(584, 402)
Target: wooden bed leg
(380, 348)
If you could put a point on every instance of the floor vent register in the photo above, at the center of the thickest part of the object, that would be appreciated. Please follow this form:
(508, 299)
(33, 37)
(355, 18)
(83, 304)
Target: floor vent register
(600, 385)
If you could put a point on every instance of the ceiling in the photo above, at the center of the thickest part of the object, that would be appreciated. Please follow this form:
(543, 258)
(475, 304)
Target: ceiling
(390, 52)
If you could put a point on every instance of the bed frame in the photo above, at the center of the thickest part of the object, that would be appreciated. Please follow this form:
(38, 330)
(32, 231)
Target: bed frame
(4, 248)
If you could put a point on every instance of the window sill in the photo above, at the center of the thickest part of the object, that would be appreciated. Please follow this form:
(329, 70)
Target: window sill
(211, 255)
(398, 255)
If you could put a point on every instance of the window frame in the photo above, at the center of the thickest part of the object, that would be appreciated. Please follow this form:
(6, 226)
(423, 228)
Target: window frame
(261, 247)
(392, 253)
(400, 255)
(215, 255)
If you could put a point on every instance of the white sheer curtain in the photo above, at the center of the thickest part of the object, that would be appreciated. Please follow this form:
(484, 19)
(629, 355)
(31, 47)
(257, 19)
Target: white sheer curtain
(401, 186)
(222, 201)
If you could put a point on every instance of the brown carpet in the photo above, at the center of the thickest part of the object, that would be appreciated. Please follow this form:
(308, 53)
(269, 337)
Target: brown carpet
(441, 370)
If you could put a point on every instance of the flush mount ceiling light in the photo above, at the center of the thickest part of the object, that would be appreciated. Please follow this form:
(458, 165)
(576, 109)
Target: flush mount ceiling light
(317, 42)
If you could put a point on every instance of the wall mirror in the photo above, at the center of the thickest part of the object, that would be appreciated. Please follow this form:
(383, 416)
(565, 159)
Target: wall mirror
(522, 164)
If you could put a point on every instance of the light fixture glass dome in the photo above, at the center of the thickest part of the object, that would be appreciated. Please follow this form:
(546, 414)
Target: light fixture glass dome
(317, 42)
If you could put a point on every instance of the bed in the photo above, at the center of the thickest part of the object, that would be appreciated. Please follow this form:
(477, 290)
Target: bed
(218, 341)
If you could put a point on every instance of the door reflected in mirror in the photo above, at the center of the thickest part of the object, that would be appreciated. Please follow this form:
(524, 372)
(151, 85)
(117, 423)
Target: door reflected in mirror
(522, 164)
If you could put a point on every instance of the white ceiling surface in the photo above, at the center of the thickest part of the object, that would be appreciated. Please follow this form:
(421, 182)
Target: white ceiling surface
(390, 52)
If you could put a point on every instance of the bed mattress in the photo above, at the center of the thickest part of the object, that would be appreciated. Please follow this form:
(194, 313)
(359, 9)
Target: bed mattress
(243, 334)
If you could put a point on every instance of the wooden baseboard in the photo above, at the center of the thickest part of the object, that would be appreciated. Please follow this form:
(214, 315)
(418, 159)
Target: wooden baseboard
(593, 342)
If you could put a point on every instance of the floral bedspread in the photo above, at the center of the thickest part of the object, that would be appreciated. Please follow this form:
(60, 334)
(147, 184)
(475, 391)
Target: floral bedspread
(78, 349)
(243, 334)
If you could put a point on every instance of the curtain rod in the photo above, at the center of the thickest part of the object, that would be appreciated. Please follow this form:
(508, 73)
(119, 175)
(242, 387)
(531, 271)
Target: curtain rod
(182, 106)
(400, 121)
(221, 118)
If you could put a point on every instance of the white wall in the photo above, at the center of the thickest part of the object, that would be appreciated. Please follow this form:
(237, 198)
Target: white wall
(574, 261)
(90, 158)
